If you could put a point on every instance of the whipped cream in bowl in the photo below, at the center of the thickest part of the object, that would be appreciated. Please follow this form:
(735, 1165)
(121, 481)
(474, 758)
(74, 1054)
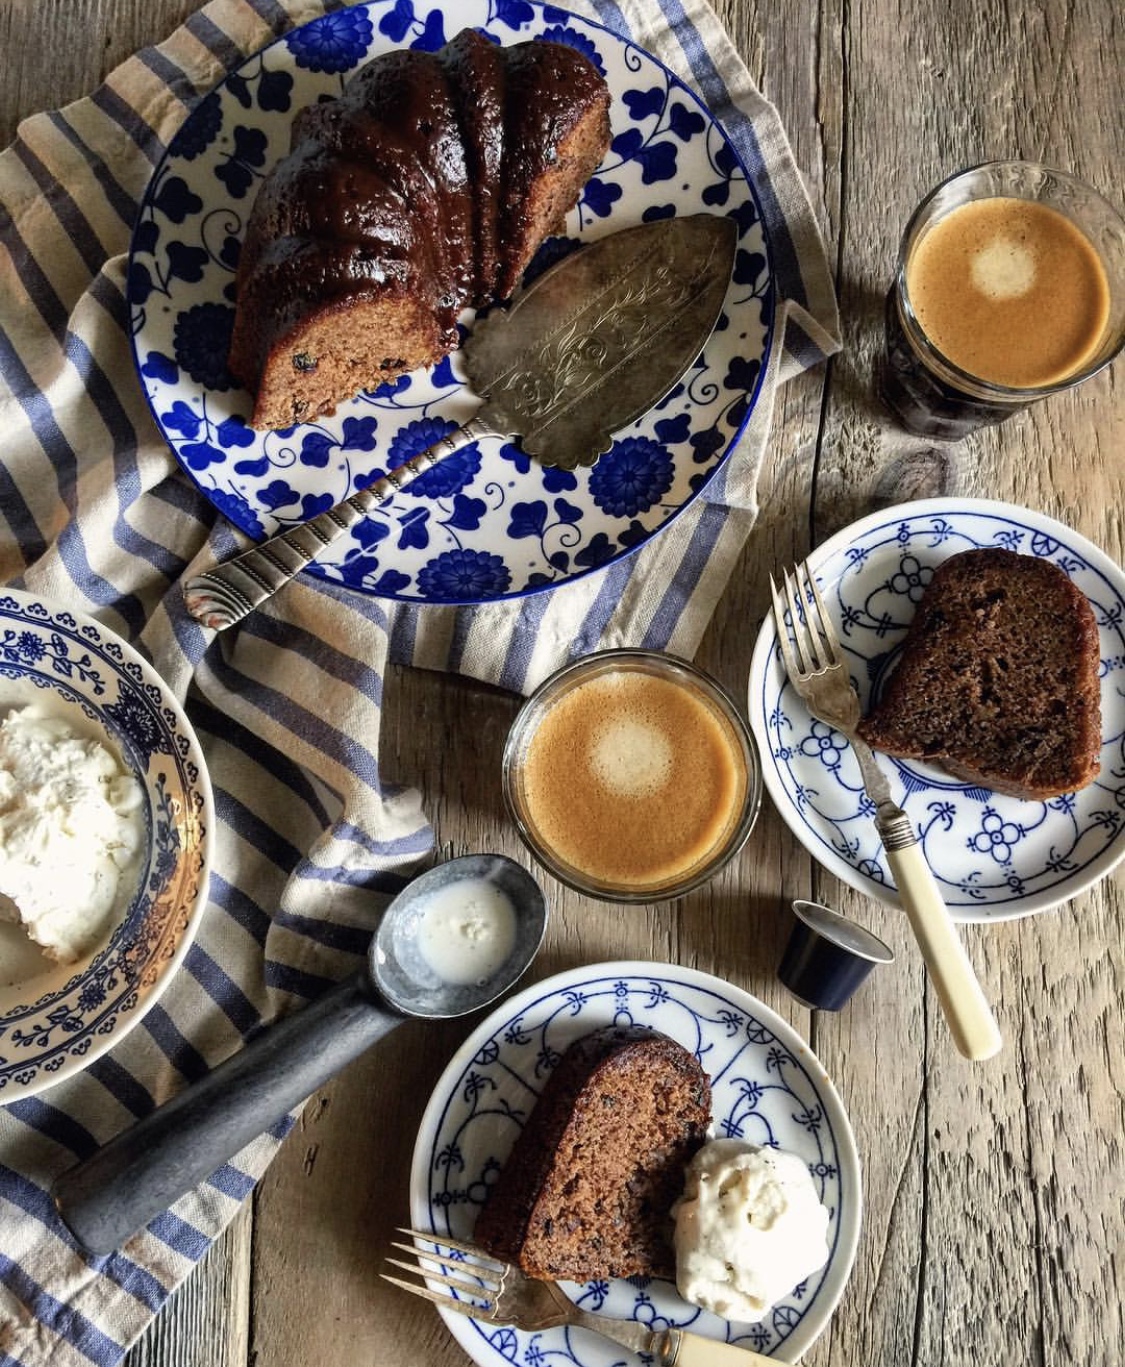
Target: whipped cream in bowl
(72, 832)
(106, 831)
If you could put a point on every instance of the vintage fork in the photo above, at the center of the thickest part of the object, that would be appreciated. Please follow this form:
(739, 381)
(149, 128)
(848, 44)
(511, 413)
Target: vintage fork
(815, 665)
(489, 1289)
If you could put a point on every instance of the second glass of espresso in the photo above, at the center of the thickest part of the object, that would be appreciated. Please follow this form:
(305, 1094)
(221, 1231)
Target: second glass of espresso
(632, 776)
(1010, 287)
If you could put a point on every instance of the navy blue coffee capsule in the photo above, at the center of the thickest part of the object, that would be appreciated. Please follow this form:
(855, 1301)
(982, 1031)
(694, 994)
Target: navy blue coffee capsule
(828, 957)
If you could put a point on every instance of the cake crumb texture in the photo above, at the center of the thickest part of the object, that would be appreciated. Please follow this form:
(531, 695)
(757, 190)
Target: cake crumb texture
(588, 1188)
(999, 678)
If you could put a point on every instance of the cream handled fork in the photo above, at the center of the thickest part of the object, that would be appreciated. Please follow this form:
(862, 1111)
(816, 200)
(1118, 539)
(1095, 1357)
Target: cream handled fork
(815, 665)
(490, 1289)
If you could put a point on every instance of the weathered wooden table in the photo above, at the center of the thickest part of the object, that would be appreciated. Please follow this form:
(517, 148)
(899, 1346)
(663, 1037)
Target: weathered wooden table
(994, 1227)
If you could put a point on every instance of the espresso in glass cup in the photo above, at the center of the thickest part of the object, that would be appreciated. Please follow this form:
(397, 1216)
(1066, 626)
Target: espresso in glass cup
(1010, 287)
(631, 776)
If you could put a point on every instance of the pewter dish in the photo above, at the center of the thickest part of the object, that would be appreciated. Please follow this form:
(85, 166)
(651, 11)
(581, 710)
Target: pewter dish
(489, 523)
(56, 1019)
(994, 857)
(767, 1088)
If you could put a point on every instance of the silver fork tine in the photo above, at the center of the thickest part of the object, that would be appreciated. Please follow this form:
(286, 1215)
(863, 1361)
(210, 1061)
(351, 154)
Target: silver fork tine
(782, 630)
(444, 1241)
(803, 643)
(485, 1271)
(489, 1271)
(826, 631)
(446, 1302)
(485, 1292)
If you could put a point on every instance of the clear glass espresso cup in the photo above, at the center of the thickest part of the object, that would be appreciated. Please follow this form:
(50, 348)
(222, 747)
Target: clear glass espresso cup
(631, 776)
(931, 394)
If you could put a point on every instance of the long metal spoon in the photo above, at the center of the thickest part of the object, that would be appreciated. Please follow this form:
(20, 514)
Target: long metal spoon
(113, 1193)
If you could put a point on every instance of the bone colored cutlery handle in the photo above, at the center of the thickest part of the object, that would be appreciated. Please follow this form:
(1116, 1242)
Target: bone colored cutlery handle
(693, 1350)
(966, 1008)
(224, 595)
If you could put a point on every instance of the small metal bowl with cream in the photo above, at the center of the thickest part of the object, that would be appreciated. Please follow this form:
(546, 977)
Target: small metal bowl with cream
(106, 820)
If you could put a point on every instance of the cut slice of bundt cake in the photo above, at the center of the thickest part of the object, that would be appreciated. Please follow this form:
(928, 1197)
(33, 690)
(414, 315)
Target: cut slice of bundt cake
(551, 147)
(999, 678)
(403, 109)
(588, 1187)
(476, 70)
(426, 186)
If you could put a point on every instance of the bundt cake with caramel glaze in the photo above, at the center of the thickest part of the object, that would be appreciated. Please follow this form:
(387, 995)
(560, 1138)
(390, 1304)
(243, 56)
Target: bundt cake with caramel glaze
(588, 1187)
(425, 187)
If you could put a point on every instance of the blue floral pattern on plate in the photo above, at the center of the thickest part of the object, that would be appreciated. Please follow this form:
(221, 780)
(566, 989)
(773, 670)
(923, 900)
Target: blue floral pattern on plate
(58, 1019)
(668, 156)
(767, 1087)
(994, 857)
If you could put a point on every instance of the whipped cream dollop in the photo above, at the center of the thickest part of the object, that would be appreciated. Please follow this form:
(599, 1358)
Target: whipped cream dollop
(749, 1228)
(72, 832)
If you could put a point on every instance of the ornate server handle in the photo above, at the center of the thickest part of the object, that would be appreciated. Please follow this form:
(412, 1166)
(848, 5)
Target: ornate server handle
(224, 595)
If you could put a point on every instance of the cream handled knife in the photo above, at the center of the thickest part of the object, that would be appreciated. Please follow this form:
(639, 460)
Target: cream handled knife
(678, 1348)
(588, 348)
(965, 1007)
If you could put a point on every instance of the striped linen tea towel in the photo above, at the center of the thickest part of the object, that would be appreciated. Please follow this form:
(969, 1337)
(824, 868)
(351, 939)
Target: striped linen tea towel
(95, 514)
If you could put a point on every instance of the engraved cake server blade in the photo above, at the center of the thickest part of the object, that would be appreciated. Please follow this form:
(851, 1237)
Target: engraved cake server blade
(588, 348)
(815, 665)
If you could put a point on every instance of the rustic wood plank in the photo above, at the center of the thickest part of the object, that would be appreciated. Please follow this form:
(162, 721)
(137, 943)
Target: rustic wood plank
(206, 1323)
(56, 51)
(979, 1229)
(732, 928)
(326, 1211)
(993, 1195)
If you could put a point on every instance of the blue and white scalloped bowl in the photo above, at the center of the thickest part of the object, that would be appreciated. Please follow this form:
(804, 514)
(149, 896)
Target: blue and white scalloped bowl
(767, 1087)
(488, 523)
(994, 857)
(56, 1019)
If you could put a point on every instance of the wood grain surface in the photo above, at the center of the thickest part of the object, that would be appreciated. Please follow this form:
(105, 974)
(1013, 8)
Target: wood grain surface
(993, 1226)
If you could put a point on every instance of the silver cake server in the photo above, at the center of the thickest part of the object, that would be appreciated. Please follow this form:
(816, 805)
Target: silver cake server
(588, 348)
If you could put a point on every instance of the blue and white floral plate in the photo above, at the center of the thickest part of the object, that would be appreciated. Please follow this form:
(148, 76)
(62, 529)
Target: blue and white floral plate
(54, 1019)
(488, 523)
(767, 1087)
(994, 857)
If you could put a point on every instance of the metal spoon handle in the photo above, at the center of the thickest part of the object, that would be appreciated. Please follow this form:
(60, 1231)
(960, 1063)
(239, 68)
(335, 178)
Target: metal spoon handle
(120, 1187)
(224, 595)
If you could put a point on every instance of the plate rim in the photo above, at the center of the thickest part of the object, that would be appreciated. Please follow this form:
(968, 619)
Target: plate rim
(849, 1228)
(946, 505)
(625, 553)
(149, 995)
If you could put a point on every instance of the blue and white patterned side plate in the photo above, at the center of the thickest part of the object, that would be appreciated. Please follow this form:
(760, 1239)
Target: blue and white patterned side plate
(767, 1087)
(488, 523)
(994, 857)
(55, 1019)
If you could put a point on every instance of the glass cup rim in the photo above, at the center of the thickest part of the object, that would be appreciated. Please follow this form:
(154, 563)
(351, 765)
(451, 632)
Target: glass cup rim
(972, 385)
(666, 664)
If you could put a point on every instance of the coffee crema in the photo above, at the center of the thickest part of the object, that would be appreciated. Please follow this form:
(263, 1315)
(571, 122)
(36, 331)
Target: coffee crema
(1010, 291)
(633, 780)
